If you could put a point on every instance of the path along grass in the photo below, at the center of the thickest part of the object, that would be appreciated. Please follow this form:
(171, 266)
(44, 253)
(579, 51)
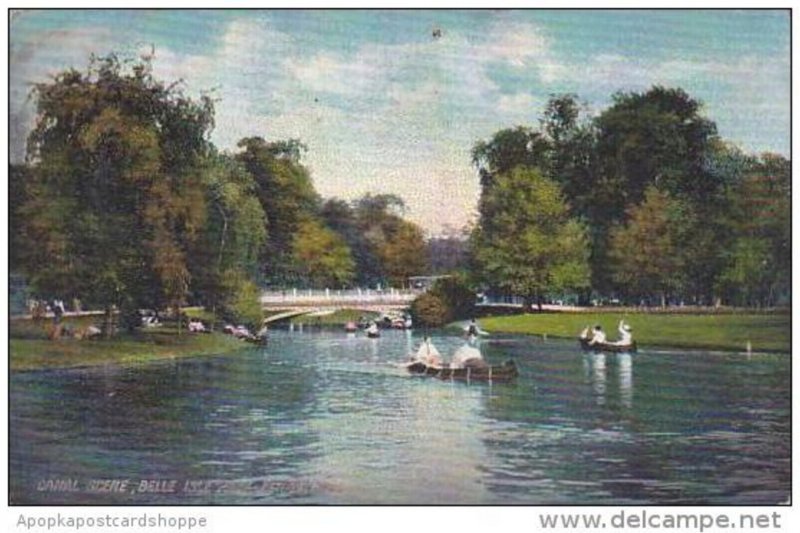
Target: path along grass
(765, 332)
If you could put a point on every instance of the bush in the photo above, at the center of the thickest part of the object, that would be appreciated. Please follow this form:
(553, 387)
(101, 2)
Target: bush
(429, 310)
(457, 297)
(242, 300)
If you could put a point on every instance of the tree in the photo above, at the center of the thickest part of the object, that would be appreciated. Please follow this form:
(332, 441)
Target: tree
(398, 244)
(429, 310)
(447, 253)
(656, 138)
(340, 217)
(234, 232)
(114, 155)
(645, 252)
(287, 195)
(525, 242)
(402, 251)
(322, 257)
(758, 264)
(456, 295)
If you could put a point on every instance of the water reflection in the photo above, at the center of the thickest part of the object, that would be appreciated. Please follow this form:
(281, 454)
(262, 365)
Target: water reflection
(625, 367)
(598, 364)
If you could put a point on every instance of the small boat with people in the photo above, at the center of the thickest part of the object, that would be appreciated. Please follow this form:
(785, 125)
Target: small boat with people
(608, 347)
(499, 373)
(372, 331)
(596, 339)
(466, 364)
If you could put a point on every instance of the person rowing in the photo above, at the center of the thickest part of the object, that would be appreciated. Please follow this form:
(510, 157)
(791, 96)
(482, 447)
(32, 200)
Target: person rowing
(625, 334)
(598, 336)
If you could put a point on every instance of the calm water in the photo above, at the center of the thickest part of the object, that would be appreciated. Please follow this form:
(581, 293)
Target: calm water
(326, 418)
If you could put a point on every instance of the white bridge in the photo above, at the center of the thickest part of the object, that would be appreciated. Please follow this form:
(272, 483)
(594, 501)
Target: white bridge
(294, 302)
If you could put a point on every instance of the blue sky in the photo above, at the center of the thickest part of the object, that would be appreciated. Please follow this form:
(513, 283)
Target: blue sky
(385, 107)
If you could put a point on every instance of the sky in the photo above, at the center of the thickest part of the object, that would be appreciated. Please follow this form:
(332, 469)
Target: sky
(393, 101)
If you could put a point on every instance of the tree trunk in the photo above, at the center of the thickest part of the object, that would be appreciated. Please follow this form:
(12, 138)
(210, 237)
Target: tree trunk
(526, 304)
(663, 300)
(177, 309)
(108, 322)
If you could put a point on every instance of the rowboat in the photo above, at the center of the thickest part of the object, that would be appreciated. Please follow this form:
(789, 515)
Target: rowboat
(608, 347)
(502, 373)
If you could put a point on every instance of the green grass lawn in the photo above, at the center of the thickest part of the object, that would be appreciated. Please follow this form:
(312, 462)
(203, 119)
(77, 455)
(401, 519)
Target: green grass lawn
(30, 349)
(722, 332)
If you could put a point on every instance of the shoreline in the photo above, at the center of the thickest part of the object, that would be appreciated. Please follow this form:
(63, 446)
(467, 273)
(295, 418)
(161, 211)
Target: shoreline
(32, 355)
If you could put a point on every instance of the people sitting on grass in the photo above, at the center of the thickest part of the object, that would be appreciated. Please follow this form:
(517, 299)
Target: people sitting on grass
(197, 326)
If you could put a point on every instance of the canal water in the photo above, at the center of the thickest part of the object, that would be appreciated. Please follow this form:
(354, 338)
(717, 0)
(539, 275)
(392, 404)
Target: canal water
(326, 418)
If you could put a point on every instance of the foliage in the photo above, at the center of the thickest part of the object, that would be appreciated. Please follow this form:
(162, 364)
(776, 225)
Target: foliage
(340, 217)
(114, 155)
(322, 256)
(526, 243)
(235, 229)
(448, 253)
(287, 196)
(456, 296)
(242, 303)
(646, 252)
(428, 310)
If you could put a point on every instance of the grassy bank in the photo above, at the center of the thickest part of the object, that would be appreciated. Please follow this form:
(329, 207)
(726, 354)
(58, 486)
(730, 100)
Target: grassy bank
(29, 349)
(719, 332)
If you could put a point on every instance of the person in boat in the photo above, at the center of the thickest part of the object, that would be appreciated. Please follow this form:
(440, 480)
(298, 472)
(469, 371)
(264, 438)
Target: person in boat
(625, 334)
(472, 329)
(428, 354)
(468, 356)
(372, 329)
(598, 336)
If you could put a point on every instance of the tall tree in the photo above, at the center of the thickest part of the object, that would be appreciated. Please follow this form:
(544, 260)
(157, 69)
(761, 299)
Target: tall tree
(342, 218)
(658, 138)
(322, 256)
(399, 244)
(287, 196)
(646, 251)
(234, 233)
(526, 243)
(114, 154)
(758, 266)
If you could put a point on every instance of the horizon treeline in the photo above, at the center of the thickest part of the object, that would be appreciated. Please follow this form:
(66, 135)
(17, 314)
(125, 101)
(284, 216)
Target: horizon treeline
(124, 201)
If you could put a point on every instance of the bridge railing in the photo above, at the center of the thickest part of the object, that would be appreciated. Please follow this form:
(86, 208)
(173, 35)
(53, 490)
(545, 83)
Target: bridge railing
(330, 296)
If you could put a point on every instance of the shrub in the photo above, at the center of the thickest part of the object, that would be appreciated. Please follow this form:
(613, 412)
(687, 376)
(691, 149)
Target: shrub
(429, 310)
(242, 302)
(457, 297)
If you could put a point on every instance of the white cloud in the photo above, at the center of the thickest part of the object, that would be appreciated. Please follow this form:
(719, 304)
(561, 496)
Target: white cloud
(402, 117)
